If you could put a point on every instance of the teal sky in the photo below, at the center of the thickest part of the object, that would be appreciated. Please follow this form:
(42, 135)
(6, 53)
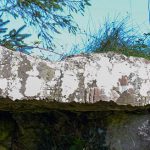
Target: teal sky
(94, 17)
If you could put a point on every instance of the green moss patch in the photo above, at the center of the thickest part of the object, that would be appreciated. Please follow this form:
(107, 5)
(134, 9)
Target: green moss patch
(42, 125)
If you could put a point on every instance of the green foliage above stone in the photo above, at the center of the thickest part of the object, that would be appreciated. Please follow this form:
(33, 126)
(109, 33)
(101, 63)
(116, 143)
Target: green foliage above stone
(116, 35)
(48, 16)
(13, 39)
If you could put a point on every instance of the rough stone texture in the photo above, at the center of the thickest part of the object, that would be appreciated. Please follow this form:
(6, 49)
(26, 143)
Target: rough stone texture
(84, 78)
(36, 126)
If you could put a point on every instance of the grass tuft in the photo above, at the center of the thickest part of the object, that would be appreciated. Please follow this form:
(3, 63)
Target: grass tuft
(119, 37)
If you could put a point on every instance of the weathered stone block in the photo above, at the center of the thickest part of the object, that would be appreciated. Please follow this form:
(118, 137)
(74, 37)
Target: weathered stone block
(84, 78)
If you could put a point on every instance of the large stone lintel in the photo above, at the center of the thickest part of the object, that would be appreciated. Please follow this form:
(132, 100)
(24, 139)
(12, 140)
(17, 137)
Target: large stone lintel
(86, 79)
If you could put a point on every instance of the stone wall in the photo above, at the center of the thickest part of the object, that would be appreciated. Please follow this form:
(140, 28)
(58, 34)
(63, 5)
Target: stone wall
(82, 78)
(37, 125)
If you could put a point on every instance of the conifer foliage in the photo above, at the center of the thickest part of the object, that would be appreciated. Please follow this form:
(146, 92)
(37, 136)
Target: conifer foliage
(48, 16)
(13, 39)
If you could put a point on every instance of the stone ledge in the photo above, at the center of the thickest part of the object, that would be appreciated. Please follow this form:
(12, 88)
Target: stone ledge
(83, 79)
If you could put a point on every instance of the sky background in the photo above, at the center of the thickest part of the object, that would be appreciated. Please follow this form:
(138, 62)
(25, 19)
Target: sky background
(94, 17)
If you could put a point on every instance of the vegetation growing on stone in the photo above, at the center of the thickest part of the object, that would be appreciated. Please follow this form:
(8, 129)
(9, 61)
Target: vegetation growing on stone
(41, 125)
(7, 104)
(118, 37)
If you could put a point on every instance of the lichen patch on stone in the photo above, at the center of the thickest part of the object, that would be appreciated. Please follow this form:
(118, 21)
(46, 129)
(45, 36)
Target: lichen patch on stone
(83, 78)
(45, 72)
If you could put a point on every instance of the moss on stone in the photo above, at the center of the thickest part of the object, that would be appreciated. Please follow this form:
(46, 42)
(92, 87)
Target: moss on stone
(41, 125)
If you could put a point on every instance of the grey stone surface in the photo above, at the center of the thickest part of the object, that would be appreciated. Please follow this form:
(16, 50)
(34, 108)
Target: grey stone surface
(82, 78)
